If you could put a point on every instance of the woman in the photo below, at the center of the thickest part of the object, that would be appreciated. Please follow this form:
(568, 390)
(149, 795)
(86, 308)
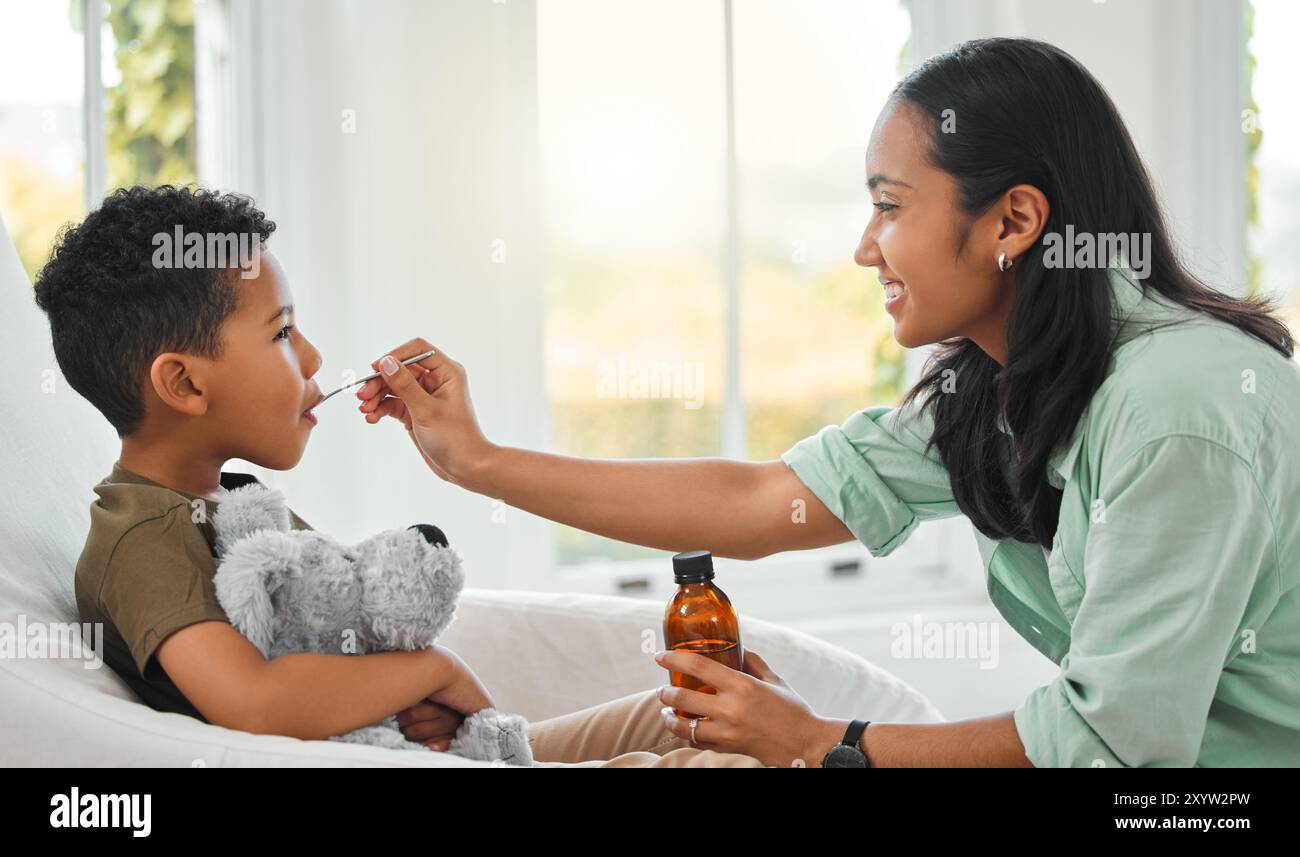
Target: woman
(1118, 434)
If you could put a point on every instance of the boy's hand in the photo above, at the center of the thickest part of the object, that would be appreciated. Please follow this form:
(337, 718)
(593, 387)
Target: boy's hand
(434, 720)
(430, 723)
(431, 399)
(463, 693)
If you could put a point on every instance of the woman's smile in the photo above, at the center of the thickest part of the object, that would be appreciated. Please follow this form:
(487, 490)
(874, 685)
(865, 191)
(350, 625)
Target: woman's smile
(894, 291)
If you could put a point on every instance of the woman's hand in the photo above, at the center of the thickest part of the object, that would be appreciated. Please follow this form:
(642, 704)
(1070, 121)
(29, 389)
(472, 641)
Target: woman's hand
(431, 399)
(753, 712)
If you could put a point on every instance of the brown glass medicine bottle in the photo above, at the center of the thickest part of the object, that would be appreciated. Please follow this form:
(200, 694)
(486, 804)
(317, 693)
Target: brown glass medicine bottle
(700, 619)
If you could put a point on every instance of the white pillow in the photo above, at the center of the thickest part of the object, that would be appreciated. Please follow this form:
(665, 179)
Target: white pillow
(56, 448)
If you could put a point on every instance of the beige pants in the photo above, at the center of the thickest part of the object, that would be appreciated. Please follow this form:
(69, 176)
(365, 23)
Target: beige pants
(623, 733)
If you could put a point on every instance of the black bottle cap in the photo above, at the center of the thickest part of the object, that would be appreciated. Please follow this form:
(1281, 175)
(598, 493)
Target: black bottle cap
(693, 567)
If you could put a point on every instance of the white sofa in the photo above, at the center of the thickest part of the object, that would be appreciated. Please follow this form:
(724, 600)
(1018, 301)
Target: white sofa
(526, 646)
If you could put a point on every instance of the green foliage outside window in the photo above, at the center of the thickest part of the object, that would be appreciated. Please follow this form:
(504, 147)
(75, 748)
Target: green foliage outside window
(150, 112)
(149, 124)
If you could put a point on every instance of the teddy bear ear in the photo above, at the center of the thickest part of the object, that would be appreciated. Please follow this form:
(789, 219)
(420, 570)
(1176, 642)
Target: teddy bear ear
(432, 534)
(247, 510)
(248, 577)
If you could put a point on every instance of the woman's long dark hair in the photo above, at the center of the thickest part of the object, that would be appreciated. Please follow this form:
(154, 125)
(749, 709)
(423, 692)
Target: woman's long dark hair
(1028, 113)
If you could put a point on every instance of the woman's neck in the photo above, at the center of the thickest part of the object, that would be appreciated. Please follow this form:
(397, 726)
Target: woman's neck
(991, 342)
(991, 333)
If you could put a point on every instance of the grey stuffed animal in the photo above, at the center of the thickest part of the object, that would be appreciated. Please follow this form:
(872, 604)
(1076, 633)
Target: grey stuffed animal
(292, 591)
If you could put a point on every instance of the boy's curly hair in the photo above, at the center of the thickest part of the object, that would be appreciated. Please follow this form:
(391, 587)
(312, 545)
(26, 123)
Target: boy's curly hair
(112, 311)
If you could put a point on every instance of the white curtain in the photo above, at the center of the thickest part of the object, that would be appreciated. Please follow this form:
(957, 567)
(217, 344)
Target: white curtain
(395, 145)
(1177, 71)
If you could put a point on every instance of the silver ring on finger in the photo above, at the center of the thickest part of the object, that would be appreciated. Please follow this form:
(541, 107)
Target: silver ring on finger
(694, 722)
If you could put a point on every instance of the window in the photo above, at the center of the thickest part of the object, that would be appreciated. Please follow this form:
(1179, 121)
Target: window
(1275, 139)
(149, 87)
(57, 159)
(816, 344)
(703, 180)
(42, 154)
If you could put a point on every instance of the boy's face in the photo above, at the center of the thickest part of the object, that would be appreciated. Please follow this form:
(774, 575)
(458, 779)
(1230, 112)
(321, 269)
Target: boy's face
(260, 391)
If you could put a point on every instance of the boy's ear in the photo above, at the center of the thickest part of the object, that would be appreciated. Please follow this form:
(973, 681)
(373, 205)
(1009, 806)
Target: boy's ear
(177, 380)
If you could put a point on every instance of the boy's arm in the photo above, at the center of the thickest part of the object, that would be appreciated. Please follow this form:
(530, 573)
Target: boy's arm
(308, 695)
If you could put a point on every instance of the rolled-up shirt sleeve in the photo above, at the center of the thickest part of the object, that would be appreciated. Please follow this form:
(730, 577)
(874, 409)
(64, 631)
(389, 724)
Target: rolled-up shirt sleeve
(1181, 537)
(873, 473)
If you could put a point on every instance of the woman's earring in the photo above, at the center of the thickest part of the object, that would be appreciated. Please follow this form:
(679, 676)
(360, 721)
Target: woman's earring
(1004, 264)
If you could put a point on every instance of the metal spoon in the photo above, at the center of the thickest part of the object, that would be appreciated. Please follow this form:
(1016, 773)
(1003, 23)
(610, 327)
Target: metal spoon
(407, 362)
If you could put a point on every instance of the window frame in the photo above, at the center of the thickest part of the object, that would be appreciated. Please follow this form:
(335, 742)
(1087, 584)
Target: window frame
(94, 127)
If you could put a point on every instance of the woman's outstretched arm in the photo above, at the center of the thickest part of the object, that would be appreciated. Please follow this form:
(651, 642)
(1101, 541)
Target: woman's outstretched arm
(743, 510)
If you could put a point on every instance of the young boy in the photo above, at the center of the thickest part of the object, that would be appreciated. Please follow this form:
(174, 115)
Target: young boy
(193, 356)
(187, 346)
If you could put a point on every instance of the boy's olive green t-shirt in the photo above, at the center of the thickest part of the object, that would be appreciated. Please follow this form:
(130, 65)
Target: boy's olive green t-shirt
(146, 571)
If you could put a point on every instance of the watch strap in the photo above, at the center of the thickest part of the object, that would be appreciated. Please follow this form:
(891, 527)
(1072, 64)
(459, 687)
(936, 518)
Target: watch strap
(854, 733)
(851, 737)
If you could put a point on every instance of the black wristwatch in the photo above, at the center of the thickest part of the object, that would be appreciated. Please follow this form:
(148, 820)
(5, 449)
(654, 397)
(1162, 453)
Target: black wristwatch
(847, 753)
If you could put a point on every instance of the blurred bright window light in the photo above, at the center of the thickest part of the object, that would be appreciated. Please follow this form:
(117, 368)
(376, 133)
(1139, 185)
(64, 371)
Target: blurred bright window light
(1276, 191)
(145, 133)
(42, 150)
(640, 220)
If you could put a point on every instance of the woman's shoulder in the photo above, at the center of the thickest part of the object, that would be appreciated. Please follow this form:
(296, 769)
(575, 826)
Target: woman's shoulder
(1198, 377)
